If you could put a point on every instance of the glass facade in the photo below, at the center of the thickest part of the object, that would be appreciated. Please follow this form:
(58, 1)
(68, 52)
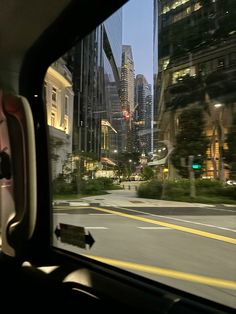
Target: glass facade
(113, 27)
(155, 70)
(127, 96)
(101, 119)
(112, 46)
(142, 116)
(196, 70)
(93, 123)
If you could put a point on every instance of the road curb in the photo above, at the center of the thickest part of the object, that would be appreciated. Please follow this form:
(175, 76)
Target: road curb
(71, 203)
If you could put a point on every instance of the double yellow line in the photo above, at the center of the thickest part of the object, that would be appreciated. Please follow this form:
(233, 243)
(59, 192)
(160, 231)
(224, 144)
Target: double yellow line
(169, 225)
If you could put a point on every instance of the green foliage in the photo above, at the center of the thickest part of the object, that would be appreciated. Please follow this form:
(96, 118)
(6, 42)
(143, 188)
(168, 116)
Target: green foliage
(190, 141)
(105, 183)
(208, 183)
(180, 190)
(174, 189)
(208, 187)
(89, 187)
(60, 186)
(124, 167)
(230, 154)
(152, 189)
(229, 192)
(147, 173)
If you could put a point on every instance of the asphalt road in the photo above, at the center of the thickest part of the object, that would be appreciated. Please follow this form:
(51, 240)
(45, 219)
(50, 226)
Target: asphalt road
(191, 248)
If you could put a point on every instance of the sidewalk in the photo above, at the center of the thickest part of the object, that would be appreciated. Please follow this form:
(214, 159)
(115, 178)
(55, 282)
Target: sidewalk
(128, 198)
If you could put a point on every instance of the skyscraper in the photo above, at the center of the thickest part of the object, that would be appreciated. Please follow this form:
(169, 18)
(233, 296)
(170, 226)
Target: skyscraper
(127, 95)
(112, 54)
(142, 117)
(194, 59)
(95, 63)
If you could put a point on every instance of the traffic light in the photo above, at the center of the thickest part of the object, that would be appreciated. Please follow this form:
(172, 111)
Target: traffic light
(194, 162)
(196, 166)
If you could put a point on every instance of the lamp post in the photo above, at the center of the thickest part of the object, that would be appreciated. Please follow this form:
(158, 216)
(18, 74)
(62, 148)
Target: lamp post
(220, 136)
(130, 171)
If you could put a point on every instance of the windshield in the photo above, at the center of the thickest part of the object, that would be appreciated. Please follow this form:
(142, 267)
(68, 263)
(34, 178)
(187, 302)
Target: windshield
(142, 140)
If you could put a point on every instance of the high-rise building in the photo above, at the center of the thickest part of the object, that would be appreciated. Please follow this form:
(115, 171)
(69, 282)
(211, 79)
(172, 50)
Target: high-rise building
(142, 117)
(95, 63)
(195, 65)
(84, 62)
(127, 95)
(112, 54)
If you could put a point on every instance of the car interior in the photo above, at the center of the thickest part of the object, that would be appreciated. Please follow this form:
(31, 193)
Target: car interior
(34, 275)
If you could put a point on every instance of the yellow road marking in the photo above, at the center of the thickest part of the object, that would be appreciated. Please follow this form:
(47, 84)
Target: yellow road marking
(172, 226)
(215, 282)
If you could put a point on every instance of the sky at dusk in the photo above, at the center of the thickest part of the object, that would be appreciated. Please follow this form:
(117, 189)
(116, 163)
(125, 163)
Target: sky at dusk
(138, 32)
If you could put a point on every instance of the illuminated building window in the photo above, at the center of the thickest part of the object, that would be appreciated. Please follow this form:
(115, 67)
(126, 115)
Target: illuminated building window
(178, 75)
(166, 9)
(220, 63)
(165, 64)
(177, 123)
(197, 6)
(173, 5)
(53, 119)
(182, 14)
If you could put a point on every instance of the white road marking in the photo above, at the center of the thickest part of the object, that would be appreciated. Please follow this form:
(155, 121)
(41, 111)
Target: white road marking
(200, 223)
(202, 205)
(178, 219)
(222, 209)
(103, 214)
(78, 204)
(61, 214)
(97, 228)
(155, 228)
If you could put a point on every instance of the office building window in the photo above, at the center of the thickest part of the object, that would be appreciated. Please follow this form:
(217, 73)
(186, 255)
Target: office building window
(54, 95)
(53, 119)
(66, 104)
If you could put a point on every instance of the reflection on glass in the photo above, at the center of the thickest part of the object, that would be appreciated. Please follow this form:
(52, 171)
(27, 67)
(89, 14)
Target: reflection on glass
(196, 85)
(168, 162)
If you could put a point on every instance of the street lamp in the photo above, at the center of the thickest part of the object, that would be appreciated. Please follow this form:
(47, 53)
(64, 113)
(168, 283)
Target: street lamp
(220, 136)
(130, 171)
(218, 105)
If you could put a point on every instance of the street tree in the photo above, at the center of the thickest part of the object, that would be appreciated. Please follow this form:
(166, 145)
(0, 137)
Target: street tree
(230, 153)
(147, 173)
(126, 163)
(190, 141)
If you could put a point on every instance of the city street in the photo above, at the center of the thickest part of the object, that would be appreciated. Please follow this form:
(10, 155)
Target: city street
(188, 246)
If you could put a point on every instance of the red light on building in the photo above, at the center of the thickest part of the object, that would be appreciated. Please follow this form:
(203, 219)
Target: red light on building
(126, 114)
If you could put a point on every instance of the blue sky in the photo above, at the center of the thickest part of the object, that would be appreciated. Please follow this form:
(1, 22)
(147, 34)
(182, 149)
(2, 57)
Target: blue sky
(138, 32)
